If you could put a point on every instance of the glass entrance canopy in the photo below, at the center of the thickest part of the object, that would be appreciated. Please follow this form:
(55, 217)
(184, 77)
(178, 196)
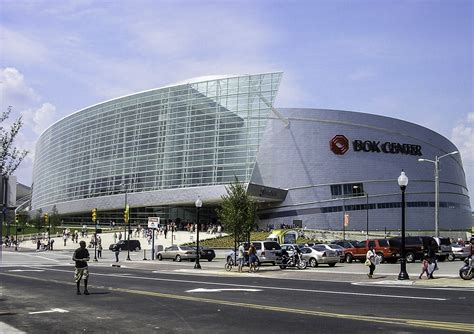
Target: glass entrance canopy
(198, 133)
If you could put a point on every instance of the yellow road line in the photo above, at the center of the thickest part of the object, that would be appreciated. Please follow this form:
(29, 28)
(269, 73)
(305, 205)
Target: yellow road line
(449, 326)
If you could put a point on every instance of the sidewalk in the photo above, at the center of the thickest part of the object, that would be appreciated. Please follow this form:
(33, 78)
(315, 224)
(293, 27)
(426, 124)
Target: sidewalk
(180, 237)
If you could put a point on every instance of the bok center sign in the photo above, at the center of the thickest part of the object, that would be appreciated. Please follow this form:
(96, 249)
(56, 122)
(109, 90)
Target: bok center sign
(339, 144)
(153, 222)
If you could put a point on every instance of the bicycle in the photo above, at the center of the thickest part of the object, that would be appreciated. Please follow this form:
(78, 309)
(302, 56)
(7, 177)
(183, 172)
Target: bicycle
(254, 267)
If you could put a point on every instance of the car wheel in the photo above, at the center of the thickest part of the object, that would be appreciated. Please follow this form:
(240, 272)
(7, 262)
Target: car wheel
(209, 260)
(451, 257)
(282, 266)
(332, 264)
(178, 258)
(313, 262)
(410, 257)
(160, 257)
(349, 258)
(137, 249)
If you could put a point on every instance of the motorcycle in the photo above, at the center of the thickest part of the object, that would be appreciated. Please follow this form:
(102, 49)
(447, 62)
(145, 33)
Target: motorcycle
(467, 271)
(293, 261)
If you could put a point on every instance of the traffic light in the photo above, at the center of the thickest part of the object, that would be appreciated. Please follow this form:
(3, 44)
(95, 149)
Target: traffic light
(17, 218)
(94, 215)
(126, 214)
(46, 219)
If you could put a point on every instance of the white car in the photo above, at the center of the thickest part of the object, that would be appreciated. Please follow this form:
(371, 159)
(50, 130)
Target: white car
(317, 255)
(459, 251)
(338, 249)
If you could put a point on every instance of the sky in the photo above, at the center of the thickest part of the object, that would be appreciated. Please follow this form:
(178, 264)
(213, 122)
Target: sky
(411, 60)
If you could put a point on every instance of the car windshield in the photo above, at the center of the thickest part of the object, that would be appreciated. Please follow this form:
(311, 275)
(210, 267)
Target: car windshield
(444, 241)
(187, 248)
(333, 246)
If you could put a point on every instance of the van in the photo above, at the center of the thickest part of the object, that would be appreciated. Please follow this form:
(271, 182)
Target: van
(268, 251)
(416, 247)
(133, 245)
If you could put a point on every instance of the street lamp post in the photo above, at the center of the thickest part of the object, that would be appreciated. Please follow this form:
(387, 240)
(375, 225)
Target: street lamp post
(436, 164)
(198, 204)
(126, 220)
(366, 212)
(403, 182)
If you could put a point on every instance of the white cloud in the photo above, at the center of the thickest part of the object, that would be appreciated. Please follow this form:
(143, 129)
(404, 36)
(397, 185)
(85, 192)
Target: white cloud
(36, 115)
(14, 90)
(463, 137)
(43, 117)
(22, 48)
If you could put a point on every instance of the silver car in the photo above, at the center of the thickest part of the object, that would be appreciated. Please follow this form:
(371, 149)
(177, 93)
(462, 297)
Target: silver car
(338, 249)
(459, 251)
(177, 253)
(317, 255)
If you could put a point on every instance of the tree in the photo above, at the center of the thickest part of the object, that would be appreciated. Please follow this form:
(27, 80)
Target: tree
(238, 211)
(37, 219)
(10, 156)
(54, 218)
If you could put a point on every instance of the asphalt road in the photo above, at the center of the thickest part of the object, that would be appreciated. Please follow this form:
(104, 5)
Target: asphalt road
(39, 297)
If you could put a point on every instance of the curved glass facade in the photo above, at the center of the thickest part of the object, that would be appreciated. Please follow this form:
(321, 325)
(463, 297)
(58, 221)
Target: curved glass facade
(194, 134)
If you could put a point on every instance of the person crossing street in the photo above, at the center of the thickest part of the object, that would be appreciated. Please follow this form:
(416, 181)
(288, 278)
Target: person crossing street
(81, 256)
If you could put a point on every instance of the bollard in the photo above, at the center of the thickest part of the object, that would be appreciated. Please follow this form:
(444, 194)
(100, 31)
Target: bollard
(144, 255)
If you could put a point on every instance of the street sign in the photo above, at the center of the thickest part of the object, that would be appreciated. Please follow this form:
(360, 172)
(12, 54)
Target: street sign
(153, 222)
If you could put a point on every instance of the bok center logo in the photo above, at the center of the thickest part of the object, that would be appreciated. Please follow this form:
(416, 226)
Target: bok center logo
(339, 144)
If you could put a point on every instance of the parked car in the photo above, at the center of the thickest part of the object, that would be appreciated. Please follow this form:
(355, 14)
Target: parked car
(317, 255)
(345, 243)
(416, 247)
(267, 252)
(444, 249)
(337, 248)
(206, 253)
(177, 253)
(133, 245)
(381, 247)
(459, 251)
(290, 248)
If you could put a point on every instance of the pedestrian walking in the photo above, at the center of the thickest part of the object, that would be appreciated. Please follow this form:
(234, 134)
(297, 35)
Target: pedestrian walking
(99, 250)
(424, 267)
(433, 264)
(81, 256)
(115, 237)
(252, 257)
(370, 260)
(64, 238)
(241, 257)
(117, 252)
(120, 235)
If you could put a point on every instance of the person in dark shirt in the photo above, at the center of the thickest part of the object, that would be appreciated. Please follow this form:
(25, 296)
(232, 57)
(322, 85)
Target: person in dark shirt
(81, 256)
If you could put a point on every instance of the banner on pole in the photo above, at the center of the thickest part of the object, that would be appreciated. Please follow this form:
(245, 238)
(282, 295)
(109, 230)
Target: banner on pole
(346, 219)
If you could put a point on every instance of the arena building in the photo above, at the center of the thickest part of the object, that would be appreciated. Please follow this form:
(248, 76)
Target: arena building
(158, 150)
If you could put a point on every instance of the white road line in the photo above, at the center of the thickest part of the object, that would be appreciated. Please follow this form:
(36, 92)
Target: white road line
(39, 270)
(38, 256)
(221, 290)
(262, 287)
(53, 310)
(5, 328)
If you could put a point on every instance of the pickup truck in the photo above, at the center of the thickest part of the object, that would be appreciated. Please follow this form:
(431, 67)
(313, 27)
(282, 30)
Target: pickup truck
(381, 247)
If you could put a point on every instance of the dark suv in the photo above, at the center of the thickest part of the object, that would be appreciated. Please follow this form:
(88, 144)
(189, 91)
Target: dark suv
(133, 245)
(416, 247)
